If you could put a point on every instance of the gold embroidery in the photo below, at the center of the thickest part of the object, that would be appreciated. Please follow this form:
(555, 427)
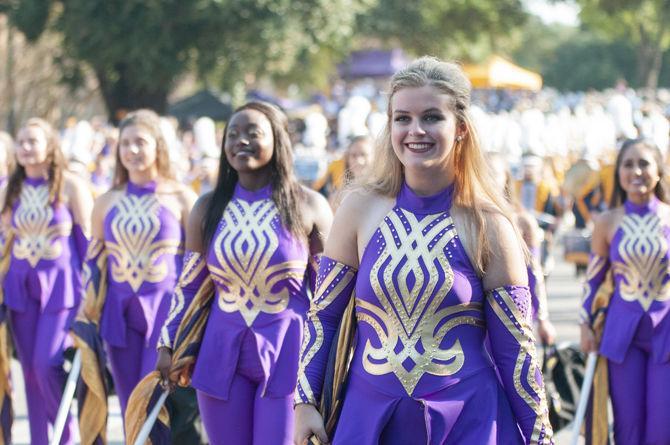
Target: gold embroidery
(507, 311)
(135, 227)
(35, 239)
(327, 291)
(244, 251)
(194, 264)
(644, 266)
(596, 264)
(411, 314)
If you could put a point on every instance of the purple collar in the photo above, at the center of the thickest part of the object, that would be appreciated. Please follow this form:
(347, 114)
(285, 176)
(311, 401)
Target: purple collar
(425, 205)
(143, 189)
(642, 209)
(252, 195)
(35, 181)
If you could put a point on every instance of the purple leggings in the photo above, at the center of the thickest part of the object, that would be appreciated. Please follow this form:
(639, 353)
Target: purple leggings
(247, 418)
(640, 391)
(129, 364)
(40, 338)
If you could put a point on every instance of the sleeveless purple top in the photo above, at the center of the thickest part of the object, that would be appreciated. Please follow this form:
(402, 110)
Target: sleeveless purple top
(144, 243)
(46, 262)
(258, 268)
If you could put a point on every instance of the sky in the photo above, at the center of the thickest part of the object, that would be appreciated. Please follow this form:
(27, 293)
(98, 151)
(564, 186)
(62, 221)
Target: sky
(563, 12)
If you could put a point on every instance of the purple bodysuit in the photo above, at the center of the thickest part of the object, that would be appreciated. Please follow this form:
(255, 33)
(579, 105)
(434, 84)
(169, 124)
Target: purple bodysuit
(144, 243)
(43, 289)
(420, 371)
(253, 334)
(636, 336)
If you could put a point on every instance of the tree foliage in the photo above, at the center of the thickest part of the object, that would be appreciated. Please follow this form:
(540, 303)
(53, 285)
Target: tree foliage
(443, 28)
(139, 48)
(644, 23)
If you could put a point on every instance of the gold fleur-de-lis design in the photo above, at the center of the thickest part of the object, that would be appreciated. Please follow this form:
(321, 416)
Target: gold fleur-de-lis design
(244, 250)
(135, 255)
(411, 315)
(644, 266)
(35, 238)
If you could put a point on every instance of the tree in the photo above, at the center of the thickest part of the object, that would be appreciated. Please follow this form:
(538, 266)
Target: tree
(644, 23)
(470, 29)
(138, 49)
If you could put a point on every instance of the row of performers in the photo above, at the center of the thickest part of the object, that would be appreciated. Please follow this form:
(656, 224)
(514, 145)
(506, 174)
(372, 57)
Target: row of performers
(243, 300)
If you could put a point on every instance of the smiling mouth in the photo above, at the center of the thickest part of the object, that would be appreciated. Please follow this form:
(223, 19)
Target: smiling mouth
(419, 147)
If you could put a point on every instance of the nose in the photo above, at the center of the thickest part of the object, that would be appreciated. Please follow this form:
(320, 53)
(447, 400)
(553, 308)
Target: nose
(134, 149)
(416, 129)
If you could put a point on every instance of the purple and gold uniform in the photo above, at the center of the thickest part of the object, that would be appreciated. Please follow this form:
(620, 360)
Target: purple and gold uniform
(42, 292)
(420, 366)
(143, 241)
(636, 336)
(246, 369)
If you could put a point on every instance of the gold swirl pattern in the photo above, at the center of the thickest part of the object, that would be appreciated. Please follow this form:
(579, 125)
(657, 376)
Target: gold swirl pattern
(507, 311)
(135, 250)
(644, 266)
(35, 238)
(244, 251)
(327, 291)
(596, 265)
(412, 315)
(194, 264)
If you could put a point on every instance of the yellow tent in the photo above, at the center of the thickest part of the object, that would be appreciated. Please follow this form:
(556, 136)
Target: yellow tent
(500, 73)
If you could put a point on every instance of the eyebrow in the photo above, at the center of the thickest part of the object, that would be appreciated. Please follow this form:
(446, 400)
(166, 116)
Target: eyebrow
(428, 110)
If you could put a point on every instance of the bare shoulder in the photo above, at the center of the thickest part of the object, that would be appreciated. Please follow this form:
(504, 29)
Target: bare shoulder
(313, 200)
(356, 219)
(506, 264)
(74, 185)
(200, 207)
(194, 225)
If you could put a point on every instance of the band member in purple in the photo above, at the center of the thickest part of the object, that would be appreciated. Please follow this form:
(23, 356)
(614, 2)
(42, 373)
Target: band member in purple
(139, 225)
(427, 246)
(254, 235)
(47, 210)
(631, 241)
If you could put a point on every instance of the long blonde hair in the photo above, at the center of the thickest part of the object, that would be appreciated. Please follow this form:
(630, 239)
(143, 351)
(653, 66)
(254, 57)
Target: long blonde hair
(475, 191)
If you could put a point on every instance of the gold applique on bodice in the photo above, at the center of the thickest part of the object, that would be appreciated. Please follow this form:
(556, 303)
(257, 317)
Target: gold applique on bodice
(644, 253)
(134, 250)
(36, 239)
(410, 323)
(243, 250)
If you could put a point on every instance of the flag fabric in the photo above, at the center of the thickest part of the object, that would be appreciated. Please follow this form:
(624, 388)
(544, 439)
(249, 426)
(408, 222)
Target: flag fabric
(185, 350)
(596, 426)
(6, 411)
(92, 390)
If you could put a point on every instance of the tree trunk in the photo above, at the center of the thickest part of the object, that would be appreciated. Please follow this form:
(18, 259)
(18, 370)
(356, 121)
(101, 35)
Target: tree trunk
(122, 96)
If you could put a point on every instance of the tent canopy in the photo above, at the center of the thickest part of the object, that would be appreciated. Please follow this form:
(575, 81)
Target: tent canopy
(500, 73)
(372, 63)
(202, 103)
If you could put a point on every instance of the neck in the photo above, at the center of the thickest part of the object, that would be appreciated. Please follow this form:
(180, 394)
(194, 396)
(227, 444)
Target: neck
(639, 198)
(253, 181)
(428, 183)
(143, 177)
(37, 171)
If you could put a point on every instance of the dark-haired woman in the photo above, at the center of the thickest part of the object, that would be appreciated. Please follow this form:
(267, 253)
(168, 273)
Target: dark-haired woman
(632, 241)
(254, 235)
(46, 211)
(139, 227)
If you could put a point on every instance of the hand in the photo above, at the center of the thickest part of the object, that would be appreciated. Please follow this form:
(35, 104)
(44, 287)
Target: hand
(163, 364)
(546, 331)
(588, 339)
(308, 422)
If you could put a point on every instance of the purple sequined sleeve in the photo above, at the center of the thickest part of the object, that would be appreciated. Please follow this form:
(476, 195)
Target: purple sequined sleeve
(596, 273)
(507, 312)
(193, 276)
(334, 288)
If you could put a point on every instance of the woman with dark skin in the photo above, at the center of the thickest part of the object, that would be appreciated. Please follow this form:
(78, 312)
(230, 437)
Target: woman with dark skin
(254, 235)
